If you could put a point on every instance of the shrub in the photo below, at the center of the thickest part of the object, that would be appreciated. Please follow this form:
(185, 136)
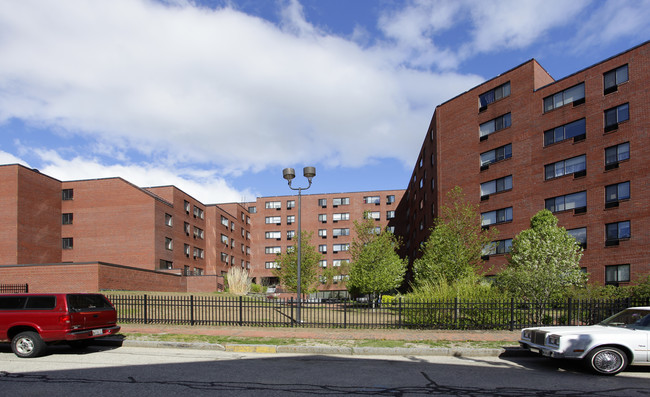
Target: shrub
(238, 281)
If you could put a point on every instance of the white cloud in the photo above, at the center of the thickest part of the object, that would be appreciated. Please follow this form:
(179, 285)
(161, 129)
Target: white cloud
(8, 158)
(213, 87)
(473, 27)
(205, 186)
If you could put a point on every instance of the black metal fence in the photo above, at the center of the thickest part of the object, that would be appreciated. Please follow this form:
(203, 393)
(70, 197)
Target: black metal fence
(400, 313)
(14, 288)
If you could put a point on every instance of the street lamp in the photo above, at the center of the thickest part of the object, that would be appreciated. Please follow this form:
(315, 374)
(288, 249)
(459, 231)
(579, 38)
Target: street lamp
(289, 174)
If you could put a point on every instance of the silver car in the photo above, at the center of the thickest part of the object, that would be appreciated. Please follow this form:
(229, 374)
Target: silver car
(607, 348)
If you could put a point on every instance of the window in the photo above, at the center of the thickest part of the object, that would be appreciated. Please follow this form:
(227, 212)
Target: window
(616, 154)
(576, 130)
(391, 229)
(271, 265)
(617, 274)
(371, 200)
(291, 234)
(575, 201)
(341, 232)
(67, 194)
(322, 218)
(565, 167)
(496, 217)
(186, 228)
(390, 214)
(291, 204)
(616, 115)
(272, 250)
(322, 248)
(224, 221)
(224, 257)
(165, 265)
(198, 233)
(67, 243)
(493, 95)
(322, 233)
(341, 201)
(614, 78)
(224, 239)
(322, 263)
(186, 249)
(494, 125)
(390, 199)
(338, 262)
(617, 231)
(273, 205)
(273, 219)
(291, 219)
(66, 219)
(575, 95)
(168, 220)
(322, 202)
(497, 247)
(169, 244)
(186, 205)
(615, 193)
(496, 186)
(198, 212)
(252, 210)
(580, 235)
(198, 253)
(494, 155)
(344, 216)
(376, 215)
(340, 247)
(273, 235)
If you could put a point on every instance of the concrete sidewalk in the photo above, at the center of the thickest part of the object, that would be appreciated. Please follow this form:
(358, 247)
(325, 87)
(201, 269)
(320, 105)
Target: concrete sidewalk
(332, 340)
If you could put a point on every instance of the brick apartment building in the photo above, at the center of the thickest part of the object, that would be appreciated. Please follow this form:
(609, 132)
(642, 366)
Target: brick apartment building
(515, 144)
(522, 142)
(329, 217)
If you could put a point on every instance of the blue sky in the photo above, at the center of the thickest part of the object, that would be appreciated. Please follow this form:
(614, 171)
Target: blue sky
(217, 97)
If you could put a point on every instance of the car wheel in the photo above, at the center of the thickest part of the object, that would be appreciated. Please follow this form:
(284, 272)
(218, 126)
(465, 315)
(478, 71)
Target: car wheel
(607, 360)
(27, 344)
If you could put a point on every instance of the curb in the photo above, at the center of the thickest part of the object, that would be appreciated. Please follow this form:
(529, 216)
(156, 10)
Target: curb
(329, 350)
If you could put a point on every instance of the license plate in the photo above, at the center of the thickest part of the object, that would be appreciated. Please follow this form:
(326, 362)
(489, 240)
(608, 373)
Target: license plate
(98, 332)
(534, 350)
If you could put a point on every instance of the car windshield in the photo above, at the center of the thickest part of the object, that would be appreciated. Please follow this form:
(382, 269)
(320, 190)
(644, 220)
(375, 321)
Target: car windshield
(630, 318)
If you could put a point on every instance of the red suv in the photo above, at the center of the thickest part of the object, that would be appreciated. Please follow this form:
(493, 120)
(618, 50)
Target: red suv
(30, 321)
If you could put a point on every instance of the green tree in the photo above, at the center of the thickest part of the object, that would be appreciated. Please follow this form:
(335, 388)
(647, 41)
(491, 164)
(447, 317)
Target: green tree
(544, 262)
(454, 248)
(287, 270)
(375, 266)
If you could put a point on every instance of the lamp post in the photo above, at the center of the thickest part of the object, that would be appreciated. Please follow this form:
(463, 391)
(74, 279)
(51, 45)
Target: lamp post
(289, 174)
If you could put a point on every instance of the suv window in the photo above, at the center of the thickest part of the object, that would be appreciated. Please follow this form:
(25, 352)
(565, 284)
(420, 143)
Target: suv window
(81, 302)
(27, 302)
(41, 302)
(12, 302)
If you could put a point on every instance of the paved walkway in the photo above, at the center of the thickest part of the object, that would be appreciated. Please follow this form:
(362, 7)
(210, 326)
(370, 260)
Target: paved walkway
(327, 333)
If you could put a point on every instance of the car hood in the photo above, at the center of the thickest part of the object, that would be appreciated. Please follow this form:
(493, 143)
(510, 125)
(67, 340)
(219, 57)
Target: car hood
(581, 330)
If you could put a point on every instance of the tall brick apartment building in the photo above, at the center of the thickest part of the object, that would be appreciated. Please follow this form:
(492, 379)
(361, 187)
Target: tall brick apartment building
(522, 142)
(515, 144)
(329, 217)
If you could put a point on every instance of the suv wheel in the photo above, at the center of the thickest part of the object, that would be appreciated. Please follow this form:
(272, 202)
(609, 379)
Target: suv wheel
(27, 344)
(607, 360)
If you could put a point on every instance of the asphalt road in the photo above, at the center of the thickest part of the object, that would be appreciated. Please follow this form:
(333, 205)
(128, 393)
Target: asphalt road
(140, 371)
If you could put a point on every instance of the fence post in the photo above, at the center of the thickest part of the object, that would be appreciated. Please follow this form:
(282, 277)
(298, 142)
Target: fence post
(512, 314)
(293, 320)
(145, 309)
(570, 312)
(26, 288)
(345, 314)
(456, 313)
(399, 312)
(191, 309)
(241, 310)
